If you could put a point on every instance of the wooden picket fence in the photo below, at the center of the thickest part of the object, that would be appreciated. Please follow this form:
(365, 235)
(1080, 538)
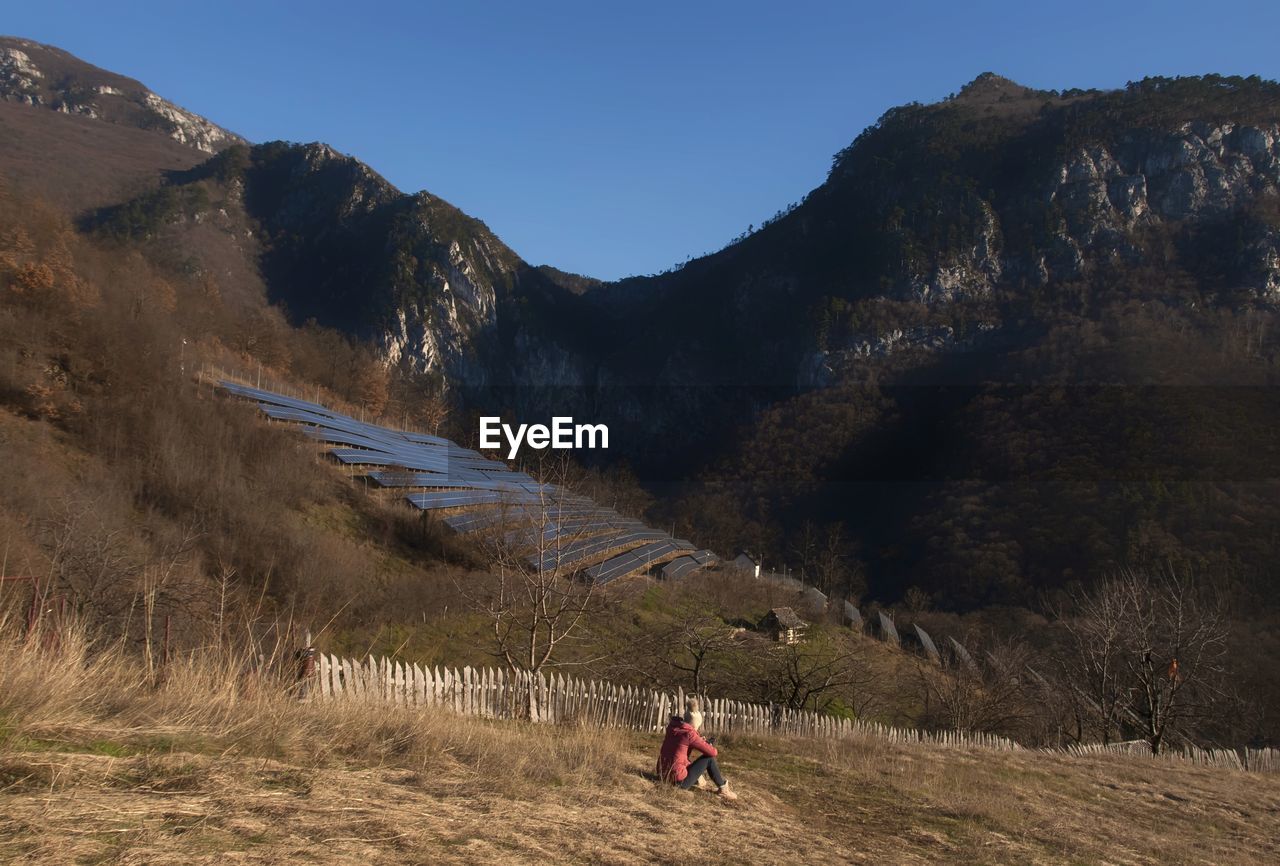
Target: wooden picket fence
(1250, 760)
(557, 699)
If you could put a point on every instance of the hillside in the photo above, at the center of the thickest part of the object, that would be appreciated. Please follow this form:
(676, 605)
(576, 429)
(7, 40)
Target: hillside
(77, 163)
(124, 471)
(102, 763)
(861, 803)
(903, 389)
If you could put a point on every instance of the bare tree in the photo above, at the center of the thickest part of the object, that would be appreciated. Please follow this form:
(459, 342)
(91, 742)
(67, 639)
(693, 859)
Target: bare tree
(1148, 654)
(536, 601)
(827, 558)
(817, 673)
(1092, 667)
(1176, 646)
(95, 562)
(694, 642)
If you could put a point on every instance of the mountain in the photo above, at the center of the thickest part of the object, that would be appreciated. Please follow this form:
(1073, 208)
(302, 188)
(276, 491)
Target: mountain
(321, 233)
(80, 137)
(999, 197)
(336, 244)
(941, 228)
(1016, 338)
(41, 75)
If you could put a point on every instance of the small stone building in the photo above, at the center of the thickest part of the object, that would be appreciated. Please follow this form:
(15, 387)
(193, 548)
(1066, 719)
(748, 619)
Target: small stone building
(783, 625)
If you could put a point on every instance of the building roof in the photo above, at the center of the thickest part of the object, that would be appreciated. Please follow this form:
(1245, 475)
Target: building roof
(785, 617)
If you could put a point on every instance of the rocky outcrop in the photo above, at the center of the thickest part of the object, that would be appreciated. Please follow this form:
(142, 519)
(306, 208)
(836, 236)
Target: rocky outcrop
(448, 301)
(19, 77)
(182, 126)
(44, 76)
(972, 273)
(1195, 172)
(1107, 195)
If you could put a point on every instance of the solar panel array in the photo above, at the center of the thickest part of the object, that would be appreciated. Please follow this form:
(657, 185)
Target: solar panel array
(551, 527)
(639, 559)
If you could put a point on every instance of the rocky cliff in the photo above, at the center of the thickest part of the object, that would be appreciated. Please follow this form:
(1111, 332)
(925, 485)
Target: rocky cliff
(432, 288)
(954, 220)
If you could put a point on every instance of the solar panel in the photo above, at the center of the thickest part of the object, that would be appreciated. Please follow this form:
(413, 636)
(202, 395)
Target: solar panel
(344, 430)
(927, 642)
(457, 498)
(341, 437)
(427, 439)
(305, 411)
(271, 397)
(680, 567)
(511, 515)
(404, 460)
(477, 520)
(584, 525)
(852, 616)
(636, 560)
(814, 598)
(584, 549)
(361, 457)
(887, 629)
(391, 478)
(962, 653)
(614, 568)
(338, 423)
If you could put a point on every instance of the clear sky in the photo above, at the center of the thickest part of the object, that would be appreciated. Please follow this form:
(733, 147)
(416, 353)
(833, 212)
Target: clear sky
(616, 138)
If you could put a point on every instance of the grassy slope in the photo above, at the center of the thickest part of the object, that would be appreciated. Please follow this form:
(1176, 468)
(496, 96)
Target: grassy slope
(100, 762)
(801, 802)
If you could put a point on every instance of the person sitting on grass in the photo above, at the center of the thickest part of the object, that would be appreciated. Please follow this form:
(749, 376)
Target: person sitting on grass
(674, 765)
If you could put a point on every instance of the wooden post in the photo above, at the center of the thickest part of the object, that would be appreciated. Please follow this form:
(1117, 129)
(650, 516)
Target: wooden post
(306, 657)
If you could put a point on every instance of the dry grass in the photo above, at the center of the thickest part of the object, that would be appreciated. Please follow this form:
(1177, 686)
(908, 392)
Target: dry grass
(98, 765)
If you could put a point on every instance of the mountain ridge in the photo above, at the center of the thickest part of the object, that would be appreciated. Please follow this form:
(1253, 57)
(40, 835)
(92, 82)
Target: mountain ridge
(42, 75)
(930, 335)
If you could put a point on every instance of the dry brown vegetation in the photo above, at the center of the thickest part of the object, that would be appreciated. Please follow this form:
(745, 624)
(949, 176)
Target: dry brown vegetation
(100, 762)
(126, 480)
(78, 162)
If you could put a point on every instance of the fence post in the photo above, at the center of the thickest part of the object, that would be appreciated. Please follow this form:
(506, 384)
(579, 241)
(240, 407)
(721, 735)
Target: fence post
(306, 664)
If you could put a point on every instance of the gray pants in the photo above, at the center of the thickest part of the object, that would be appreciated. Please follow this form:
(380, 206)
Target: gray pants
(705, 764)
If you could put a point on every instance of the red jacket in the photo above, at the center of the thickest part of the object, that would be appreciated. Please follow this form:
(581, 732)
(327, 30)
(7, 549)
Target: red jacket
(673, 760)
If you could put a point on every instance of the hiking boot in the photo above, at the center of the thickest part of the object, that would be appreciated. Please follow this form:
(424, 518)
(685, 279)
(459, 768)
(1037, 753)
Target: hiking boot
(703, 783)
(726, 793)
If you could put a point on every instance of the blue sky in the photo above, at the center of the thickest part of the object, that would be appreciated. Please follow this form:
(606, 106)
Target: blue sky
(613, 139)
